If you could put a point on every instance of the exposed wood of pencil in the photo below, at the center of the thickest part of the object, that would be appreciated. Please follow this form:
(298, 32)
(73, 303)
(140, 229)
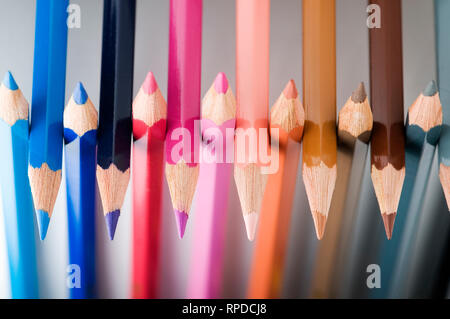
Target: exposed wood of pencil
(80, 134)
(423, 129)
(252, 92)
(266, 276)
(218, 123)
(183, 99)
(355, 123)
(116, 94)
(15, 190)
(49, 75)
(149, 131)
(388, 137)
(319, 95)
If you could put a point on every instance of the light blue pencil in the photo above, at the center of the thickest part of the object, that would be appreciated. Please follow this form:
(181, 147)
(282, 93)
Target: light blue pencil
(16, 194)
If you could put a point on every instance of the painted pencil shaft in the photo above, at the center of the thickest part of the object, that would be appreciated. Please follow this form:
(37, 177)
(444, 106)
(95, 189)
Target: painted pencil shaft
(149, 129)
(266, 277)
(218, 123)
(355, 123)
(16, 193)
(116, 94)
(319, 94)
(49, 75)
(388, 137)
(183, 105)
(443, 60)
(80, 132)
(252, 94)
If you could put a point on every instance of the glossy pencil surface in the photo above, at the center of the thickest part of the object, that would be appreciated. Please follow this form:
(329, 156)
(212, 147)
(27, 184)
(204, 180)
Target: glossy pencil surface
(252, 95)
(388, 137)
(15, 190)
(149, 131)
(116, 94)
(266, 276)
(319, 94)
(80, 132)
(183, 100)
(47, 105)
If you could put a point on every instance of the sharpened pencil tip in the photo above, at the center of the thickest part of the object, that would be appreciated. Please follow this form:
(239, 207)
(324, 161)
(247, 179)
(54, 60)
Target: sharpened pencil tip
(79, 94)
(150, 86)
(431, 89)
(221, 83)
(290, 90)
(388, 220)
(111, 222)
(251, 223)
(360, 94)
(9, 81)
(43, 220)
(181, 220)
(320, 221)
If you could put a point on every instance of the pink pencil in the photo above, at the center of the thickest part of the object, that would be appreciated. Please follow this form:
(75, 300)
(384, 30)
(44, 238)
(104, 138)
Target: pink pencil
(183, 99)
(218, 120)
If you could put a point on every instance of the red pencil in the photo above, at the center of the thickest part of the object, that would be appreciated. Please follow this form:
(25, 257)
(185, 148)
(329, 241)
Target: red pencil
(149, 128)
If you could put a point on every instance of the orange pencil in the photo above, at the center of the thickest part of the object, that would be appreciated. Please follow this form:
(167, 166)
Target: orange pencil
(288, 117)
(252, 95)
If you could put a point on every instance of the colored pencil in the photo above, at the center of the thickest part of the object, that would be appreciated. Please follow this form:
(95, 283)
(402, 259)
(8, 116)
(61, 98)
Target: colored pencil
(217, 124)
(388, 136)
(185, 48)
(47, 107)
(319, 94)
(443, 50)
(266, 275)
(252, 94)
(80, 137)
(355, 123)
(16, 193)
(423, 126)
(116, 94)
(149, 131)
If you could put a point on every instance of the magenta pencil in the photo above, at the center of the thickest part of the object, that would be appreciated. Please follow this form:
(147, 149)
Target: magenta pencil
(183, 102)
(217, 124)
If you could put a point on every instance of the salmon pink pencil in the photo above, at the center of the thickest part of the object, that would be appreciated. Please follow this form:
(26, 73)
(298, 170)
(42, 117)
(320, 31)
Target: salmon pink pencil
(185, 48)
(149, 131)
(218, 122)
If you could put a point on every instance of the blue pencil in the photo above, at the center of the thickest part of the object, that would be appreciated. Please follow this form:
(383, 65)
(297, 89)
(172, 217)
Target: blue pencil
(423, 127)
(80, 134)
(47, 105)
(16, 194)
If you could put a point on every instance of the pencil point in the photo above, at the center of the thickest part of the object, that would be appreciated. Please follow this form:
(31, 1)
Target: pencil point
(181, 220)
(9, 81)
(43, 220)
(79, 94)
(221, 83)
(251, 222)
(360, 94)
(111, 222)
(388, 220)
(150, 86)
(431, 89)
(320, 221)
(290, 90)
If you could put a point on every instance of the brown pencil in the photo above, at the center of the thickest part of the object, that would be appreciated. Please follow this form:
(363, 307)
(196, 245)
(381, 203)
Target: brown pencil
(319, 94)
(388, 136)
(355, 123)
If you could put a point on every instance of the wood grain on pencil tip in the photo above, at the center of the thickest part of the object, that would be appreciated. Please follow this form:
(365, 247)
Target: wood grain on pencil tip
(319, 94)
(149, 129)
(266, 276)
(388, 136)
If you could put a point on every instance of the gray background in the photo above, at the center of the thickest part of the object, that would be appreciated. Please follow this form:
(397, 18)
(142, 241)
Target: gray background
(151, 52)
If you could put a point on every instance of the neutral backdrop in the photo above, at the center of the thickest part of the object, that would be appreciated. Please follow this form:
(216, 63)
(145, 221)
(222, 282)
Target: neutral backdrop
(218, 54)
